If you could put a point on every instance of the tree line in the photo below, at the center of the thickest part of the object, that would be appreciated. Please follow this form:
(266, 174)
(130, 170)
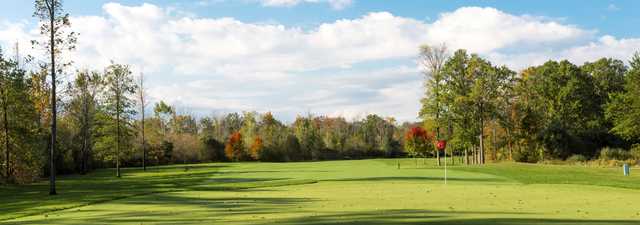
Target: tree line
(551, 111)
(486, 112)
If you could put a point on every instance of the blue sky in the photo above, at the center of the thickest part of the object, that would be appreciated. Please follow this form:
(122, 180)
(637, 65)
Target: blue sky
(335, 57)
(610, 17)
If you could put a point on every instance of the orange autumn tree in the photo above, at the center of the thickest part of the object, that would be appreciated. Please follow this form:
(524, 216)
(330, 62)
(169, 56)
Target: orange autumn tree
(234, 149)
(256, 148)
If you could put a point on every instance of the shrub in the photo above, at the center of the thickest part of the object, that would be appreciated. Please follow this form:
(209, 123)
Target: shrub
(577, 158)
(607, 153)
(635, 152)
(527, 156)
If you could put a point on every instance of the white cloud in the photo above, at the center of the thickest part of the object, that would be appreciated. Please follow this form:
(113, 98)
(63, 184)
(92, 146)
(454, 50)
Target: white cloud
(335, 4)
(483, 30)
(348, 67)
(612, 7)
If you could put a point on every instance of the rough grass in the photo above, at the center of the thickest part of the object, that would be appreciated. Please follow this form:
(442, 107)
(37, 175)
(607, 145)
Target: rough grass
(335, 192)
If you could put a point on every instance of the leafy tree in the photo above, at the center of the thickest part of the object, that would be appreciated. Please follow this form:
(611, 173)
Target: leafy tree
(214, 149)
(163, 112)
(234, 149)
(432, 59)
(608, 79)
(256, 148)
(82, 108)
(418, 142)
(54, 22)
(119, 104)
(306, 130)
(624, 108)
(19, 125)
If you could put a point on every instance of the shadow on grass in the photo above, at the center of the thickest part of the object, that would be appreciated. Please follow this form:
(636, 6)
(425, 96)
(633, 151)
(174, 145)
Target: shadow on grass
(416, 178)
(410, 217)
(260, 210)
(188, 210)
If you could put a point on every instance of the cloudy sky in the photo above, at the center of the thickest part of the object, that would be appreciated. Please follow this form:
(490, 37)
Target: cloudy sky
(331, 57)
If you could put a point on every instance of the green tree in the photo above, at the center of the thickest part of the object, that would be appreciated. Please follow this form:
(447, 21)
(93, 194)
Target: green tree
(83, 107)
(163, 112)
(19, 125)
(432, 59)
(624, 107)
(307, 131)
(119, 104)
(608, 79)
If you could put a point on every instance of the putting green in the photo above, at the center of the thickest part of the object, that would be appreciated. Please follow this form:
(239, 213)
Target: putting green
(357, 192)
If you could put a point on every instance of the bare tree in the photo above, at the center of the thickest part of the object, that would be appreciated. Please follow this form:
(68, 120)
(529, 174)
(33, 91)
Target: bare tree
(54, 20)
(143, 104)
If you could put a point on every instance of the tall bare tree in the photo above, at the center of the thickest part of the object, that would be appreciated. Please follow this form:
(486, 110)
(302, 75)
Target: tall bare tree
(53, 22)
(143, 104)
(4, 99)
(432, 59)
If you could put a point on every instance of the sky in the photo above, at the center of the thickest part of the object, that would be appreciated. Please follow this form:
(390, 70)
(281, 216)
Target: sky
(344, 58)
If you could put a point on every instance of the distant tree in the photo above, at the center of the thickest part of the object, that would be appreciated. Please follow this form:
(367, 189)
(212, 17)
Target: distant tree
(234, 148)
(256, 148)
(119, 104)
(307, 131)
(83, 107)
(214, 149)
(418, 142)
(54, 21)
(249, 128)
(143, 104)
(163, 112)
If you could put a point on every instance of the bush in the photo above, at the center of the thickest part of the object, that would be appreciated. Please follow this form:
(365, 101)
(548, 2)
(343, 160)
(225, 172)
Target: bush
(527, 156)
(607, 153)
(635, 152)
(273, 154)
(577, 159)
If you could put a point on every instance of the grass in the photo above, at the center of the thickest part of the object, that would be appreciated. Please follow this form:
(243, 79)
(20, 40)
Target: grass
(333, 192)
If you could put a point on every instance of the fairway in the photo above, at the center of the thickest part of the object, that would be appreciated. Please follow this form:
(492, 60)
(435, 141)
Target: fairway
(333, 192)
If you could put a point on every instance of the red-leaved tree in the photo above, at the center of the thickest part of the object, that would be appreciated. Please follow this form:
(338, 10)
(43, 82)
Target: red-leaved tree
(418, 142)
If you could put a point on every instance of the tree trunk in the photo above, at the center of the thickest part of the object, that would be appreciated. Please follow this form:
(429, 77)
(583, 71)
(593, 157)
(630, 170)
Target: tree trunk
(494, 157)
(475, 155)
(466, 156)
(144, 145)
(85, 133)
(509, 144)
(481, 148)
(54, 110)
(117, 135)
(6, 133)
(83, 169)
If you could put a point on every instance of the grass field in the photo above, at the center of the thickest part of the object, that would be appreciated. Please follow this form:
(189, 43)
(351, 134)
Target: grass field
(333, 192)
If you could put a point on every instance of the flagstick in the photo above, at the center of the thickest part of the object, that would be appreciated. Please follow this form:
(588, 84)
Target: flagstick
(445, 166)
